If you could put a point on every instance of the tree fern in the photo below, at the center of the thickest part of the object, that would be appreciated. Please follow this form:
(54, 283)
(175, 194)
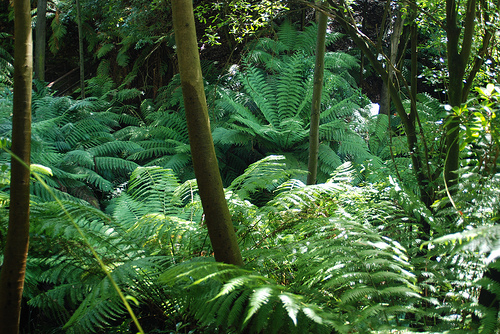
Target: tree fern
(245, 302)
(272, 107)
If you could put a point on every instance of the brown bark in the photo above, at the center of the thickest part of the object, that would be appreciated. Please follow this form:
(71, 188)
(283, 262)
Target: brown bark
(458, 59)
(80, 48)
(16, 247)
(41, 23)
(385, 96)
(217, 216)
(316, 99)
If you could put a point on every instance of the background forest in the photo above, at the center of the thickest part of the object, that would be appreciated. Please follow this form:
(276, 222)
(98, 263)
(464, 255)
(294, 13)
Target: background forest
(397, 233)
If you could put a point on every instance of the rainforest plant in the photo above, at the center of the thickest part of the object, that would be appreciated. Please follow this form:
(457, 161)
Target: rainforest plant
(75, 139)
(270, 109)
(6, 65)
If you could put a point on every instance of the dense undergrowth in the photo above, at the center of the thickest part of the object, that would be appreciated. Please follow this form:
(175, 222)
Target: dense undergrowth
(347, 255)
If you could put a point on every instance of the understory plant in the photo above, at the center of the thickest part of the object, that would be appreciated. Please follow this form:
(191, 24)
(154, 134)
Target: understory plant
(269, 102)
(327, 257)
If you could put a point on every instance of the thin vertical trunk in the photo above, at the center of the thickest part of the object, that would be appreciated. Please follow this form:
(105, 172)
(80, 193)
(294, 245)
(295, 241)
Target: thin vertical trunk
(16, 246)
(385, 96)
(217, 216)
(80, 46)
(41, 23)
(457, 62)
(316, 100)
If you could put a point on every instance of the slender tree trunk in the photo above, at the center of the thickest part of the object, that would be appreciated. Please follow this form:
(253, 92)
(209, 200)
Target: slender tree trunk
(385, 96)
(316, 99)
(16, 246)
(409, 126)
(80, 46)
(217, 216)
(41, 24)
(457, 63)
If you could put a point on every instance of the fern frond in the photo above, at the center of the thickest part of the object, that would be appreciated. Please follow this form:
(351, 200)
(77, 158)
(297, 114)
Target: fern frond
(267, 173)
(115, 148)
(113, 164)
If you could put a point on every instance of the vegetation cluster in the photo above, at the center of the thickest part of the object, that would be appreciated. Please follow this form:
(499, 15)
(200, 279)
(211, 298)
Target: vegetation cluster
(392, 238)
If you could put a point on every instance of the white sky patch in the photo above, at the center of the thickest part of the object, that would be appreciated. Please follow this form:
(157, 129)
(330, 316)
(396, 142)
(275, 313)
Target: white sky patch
(374, 109)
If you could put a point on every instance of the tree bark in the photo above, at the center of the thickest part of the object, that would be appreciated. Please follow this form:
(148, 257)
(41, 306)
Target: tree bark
(409, 126)
(457, 63)
(16, 246)
(41, 24)
(316, 99)
(80, 46)
(217, 216)
(385, 96)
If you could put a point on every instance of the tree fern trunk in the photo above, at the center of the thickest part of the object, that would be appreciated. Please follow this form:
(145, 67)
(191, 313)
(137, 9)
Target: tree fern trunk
(16, 246)
(217, 216)
(316, 99)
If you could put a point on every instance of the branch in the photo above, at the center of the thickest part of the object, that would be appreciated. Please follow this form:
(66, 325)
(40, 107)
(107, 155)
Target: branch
(478, 62)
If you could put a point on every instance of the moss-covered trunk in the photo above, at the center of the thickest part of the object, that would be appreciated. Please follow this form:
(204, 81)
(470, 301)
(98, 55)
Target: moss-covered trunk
(217, 216)
(16, 246)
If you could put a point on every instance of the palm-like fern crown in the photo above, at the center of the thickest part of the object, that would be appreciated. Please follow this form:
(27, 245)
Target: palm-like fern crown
(273, 106)
(75, 139)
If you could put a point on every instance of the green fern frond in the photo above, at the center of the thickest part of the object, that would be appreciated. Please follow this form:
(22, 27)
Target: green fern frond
(113, 164)
(80, 158)
(287, 34)
(115, 148)
(244, 301)
(267, 173)
(98, 310)
(290, 88)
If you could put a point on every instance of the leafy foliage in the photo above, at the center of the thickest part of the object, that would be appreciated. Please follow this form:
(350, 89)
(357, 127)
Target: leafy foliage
(270, 111)
(6, 65)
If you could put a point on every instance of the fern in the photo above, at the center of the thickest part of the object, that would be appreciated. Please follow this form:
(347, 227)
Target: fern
(6, 65)
(271, 109)
(244, 301)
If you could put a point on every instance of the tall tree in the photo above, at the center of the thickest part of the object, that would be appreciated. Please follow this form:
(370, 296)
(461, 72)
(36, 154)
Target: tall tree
(460, 39)
(217, 216)
(16, 246)
(80, 48)
(319, 70)
(395, 38)
(41, 23)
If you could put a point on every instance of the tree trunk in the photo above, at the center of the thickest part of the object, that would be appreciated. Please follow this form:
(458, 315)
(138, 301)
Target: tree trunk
(41, 23)
(457, 63)
(16, 246)
(316, 99)
(409, 126)
(385, 96)
(80, 46)
(217, 216)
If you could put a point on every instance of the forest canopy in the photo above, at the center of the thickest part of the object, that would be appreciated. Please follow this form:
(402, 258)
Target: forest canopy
(391, 105)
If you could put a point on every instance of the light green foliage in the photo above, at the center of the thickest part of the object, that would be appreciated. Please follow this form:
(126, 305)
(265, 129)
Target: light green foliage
(331, 256)
(271, 108)
(388, 144)
(240, 18)
(75, 140)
